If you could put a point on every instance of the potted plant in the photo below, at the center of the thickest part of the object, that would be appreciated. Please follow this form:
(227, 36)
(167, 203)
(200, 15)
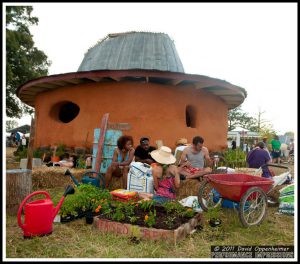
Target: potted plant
(214, 216)
(55, 158)
(58, 151)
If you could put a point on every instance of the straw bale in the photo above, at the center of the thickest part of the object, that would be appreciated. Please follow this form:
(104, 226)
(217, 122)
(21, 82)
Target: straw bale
(188, 187)
(50, 177)
(250, 171)
(116, 183)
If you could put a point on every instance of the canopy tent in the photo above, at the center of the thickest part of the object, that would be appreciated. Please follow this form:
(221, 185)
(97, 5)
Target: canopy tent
(22, 129)
(240, 129)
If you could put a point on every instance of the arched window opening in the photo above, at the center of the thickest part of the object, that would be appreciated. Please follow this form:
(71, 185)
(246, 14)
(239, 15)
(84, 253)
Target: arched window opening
(190, 116)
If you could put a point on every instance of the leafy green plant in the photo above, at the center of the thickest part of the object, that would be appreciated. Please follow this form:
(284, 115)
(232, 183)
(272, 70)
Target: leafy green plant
(133, 219)
(214, 212)
(189, 212)
(147, 204)
(60, 151)
(174, 207)
(150, 218)
(37, 153)
(129, 209)
(233, 158)
(80, 163)
(21, 154)
(170, 221)
(86, 197)
(118, 214)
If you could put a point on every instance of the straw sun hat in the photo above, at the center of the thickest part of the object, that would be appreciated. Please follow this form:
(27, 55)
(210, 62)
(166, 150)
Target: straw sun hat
(163, 155)
(181, 141)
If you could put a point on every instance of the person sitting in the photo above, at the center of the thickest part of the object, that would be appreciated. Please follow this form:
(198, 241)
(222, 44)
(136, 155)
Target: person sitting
(66, 161)
(142, 152)
(259, 157)
(191, 165)
(122, 157)
(180, 144)
(88, 162)
(165, 176)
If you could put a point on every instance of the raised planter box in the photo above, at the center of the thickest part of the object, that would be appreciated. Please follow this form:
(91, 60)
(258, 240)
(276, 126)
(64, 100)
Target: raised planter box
(148, 233)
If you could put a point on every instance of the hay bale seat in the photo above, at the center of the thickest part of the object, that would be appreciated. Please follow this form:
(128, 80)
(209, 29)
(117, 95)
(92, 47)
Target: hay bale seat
(249, 171)
(116, 183)
(51, 177)
(188, 187)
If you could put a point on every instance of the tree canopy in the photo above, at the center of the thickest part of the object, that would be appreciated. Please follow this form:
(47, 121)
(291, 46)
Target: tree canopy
(23, 60)
(10, 124)
(237, 117)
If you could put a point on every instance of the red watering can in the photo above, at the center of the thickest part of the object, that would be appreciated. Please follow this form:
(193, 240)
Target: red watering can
(39, 214)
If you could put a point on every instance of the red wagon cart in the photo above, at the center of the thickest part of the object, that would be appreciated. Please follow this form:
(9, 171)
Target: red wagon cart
(248, 190)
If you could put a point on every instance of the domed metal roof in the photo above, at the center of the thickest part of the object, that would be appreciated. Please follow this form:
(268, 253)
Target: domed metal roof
(133, 50)
(133, 56)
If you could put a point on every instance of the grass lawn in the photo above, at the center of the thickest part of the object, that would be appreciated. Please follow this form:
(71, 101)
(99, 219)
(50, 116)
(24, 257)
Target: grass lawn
(78, 240)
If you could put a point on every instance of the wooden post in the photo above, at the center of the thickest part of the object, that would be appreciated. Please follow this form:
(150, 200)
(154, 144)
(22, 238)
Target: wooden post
(30, 145)
(18, 186)
(101, 142)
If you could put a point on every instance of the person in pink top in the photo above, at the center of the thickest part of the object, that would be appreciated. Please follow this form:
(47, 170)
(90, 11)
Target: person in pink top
(165, 176)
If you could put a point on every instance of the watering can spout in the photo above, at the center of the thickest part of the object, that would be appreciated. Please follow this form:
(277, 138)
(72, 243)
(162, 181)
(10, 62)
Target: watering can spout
(69, 190)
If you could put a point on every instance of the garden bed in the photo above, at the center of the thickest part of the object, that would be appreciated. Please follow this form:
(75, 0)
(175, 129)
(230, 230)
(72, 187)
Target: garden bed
(144, 218)
(143, 232)
(163, 219)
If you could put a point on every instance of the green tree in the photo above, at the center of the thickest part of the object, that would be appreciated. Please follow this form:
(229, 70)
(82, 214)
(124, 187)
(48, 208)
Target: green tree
(289, 134)
(23, 60)
(267, 131)
(10, 124)
(238, 117)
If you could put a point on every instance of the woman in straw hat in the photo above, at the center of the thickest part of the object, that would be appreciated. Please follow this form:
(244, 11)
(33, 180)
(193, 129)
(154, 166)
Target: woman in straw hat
(165, 176)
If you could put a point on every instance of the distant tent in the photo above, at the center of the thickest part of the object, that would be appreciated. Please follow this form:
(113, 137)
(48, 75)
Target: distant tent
(23, 129)
(240, 129)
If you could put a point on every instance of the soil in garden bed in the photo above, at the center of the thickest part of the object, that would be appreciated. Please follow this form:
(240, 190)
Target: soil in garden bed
(163, 220)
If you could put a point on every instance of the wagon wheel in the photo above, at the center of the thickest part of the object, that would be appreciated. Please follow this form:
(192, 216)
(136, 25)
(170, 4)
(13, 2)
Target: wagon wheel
(207, 197)
(253, 207)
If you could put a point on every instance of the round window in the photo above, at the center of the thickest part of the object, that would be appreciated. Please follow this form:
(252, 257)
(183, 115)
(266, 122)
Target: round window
(68, 112)
(65, 111)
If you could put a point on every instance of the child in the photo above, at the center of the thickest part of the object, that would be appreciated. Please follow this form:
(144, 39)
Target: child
(165, 176)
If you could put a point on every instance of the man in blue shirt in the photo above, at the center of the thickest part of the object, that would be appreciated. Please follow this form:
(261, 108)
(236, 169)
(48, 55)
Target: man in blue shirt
(258, 157)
